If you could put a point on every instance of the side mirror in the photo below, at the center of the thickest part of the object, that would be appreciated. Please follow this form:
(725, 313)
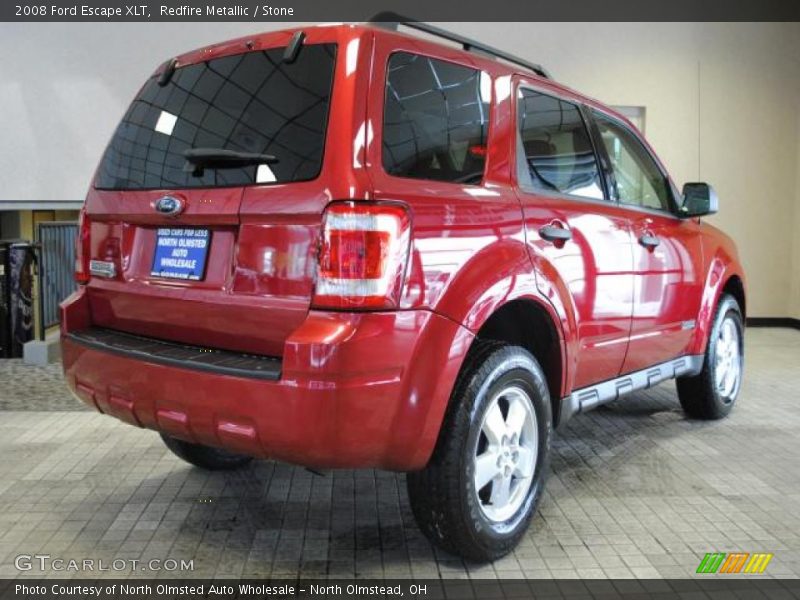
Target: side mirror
(699, 199)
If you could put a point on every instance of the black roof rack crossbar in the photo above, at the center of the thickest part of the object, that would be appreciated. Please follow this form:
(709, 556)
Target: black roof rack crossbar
(392, 20)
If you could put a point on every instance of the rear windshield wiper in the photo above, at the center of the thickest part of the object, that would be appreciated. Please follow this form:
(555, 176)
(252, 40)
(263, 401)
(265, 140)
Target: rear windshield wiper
(198, 159)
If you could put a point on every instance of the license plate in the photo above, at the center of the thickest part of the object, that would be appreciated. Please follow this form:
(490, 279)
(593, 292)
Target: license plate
(181, 253)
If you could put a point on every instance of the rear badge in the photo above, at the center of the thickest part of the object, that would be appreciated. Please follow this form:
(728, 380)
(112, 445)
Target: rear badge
(102, 268)
(169, 205)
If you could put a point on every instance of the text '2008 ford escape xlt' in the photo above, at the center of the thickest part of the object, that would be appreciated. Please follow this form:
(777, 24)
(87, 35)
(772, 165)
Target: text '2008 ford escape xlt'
(342, 246)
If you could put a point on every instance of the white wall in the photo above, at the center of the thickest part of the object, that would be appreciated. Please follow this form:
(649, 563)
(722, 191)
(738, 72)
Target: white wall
(749, 115)
(63, 87)
(723, 105)
(794, 305)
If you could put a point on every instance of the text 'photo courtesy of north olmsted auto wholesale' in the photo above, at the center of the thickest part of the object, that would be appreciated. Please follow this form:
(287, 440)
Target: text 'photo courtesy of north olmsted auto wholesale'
(406, 299)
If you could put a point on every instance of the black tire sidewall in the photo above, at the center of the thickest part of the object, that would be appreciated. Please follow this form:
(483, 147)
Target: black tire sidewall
(728, 308)
(518, 367)
(205, 457)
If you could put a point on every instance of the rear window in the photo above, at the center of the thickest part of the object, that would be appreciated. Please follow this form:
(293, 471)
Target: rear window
(250, 102)
(436, 117)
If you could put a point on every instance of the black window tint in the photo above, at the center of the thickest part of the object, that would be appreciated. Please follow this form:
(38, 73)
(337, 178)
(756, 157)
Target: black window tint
(637, 178)
(557, 150)
(435, 120)
(250, 102)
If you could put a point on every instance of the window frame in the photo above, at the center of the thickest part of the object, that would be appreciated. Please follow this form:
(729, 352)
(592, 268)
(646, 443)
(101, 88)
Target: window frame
(521, 162)
(489, 116)
(672, 211)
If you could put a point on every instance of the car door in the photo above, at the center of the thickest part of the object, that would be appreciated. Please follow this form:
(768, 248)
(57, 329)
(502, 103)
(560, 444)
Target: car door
(579, 241)
(668, 260)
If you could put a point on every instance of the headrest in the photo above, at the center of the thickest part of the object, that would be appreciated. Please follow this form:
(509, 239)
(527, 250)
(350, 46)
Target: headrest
(580, 141)
(535, 148)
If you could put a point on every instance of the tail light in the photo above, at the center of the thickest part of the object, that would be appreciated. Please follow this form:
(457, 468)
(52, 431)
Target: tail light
(363, 255)
(83, 249)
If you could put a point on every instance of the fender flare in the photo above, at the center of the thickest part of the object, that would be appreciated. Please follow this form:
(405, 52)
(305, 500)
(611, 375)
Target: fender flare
(493, 277)
(471, 298)
(721, 268)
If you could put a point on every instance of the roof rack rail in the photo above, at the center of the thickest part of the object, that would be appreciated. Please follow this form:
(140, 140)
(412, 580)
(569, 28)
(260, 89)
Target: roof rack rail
(392, 20)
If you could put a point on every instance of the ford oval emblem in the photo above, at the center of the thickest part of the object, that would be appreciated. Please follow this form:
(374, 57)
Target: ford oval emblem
(169, 205)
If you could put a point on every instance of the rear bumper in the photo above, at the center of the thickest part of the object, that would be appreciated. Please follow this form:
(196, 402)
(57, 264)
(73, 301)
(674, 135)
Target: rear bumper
(355, 390)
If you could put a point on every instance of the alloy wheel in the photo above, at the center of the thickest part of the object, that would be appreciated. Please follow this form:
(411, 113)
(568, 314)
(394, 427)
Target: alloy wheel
(505, 454)
(728, 364)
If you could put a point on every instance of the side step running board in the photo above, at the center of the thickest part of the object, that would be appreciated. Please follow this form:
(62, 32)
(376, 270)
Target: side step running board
(592, 396)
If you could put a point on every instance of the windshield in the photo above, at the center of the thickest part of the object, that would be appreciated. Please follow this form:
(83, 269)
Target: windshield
(253, 103)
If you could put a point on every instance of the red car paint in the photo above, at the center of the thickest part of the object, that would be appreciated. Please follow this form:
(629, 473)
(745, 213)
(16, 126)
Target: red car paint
(370, 388)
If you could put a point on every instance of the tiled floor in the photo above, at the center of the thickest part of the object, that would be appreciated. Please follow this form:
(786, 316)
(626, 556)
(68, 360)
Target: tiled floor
(636, 490)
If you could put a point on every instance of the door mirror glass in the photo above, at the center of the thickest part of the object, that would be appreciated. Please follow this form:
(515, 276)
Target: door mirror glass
(699, 199)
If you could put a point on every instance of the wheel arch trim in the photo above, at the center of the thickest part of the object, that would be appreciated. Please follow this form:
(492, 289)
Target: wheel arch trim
(722, 272)
(424, 433)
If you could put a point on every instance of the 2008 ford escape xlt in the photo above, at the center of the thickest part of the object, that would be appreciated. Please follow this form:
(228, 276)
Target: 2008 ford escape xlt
(343, 246)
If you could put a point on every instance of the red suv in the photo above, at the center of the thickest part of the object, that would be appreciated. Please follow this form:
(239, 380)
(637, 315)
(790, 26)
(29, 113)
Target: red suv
(343, 246)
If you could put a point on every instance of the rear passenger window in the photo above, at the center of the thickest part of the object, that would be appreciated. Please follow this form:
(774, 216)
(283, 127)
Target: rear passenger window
(436, 116)
(554, 147)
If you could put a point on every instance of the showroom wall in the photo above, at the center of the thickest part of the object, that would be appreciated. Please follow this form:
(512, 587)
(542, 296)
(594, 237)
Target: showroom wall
(794, 307)
(722, 104)
(749, 103)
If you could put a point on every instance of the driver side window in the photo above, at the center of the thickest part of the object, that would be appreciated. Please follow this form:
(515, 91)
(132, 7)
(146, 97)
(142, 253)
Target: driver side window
(638, 180)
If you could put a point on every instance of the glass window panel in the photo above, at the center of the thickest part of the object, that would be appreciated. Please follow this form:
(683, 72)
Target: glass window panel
(251, 102)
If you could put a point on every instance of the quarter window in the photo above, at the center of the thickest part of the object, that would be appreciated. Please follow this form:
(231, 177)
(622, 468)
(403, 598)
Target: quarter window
(435, 121)
(637, 179)
(555, 148)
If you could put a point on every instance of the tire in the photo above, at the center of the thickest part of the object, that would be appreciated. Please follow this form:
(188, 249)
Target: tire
(477, 524)
(205, 457)
(712, 393)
